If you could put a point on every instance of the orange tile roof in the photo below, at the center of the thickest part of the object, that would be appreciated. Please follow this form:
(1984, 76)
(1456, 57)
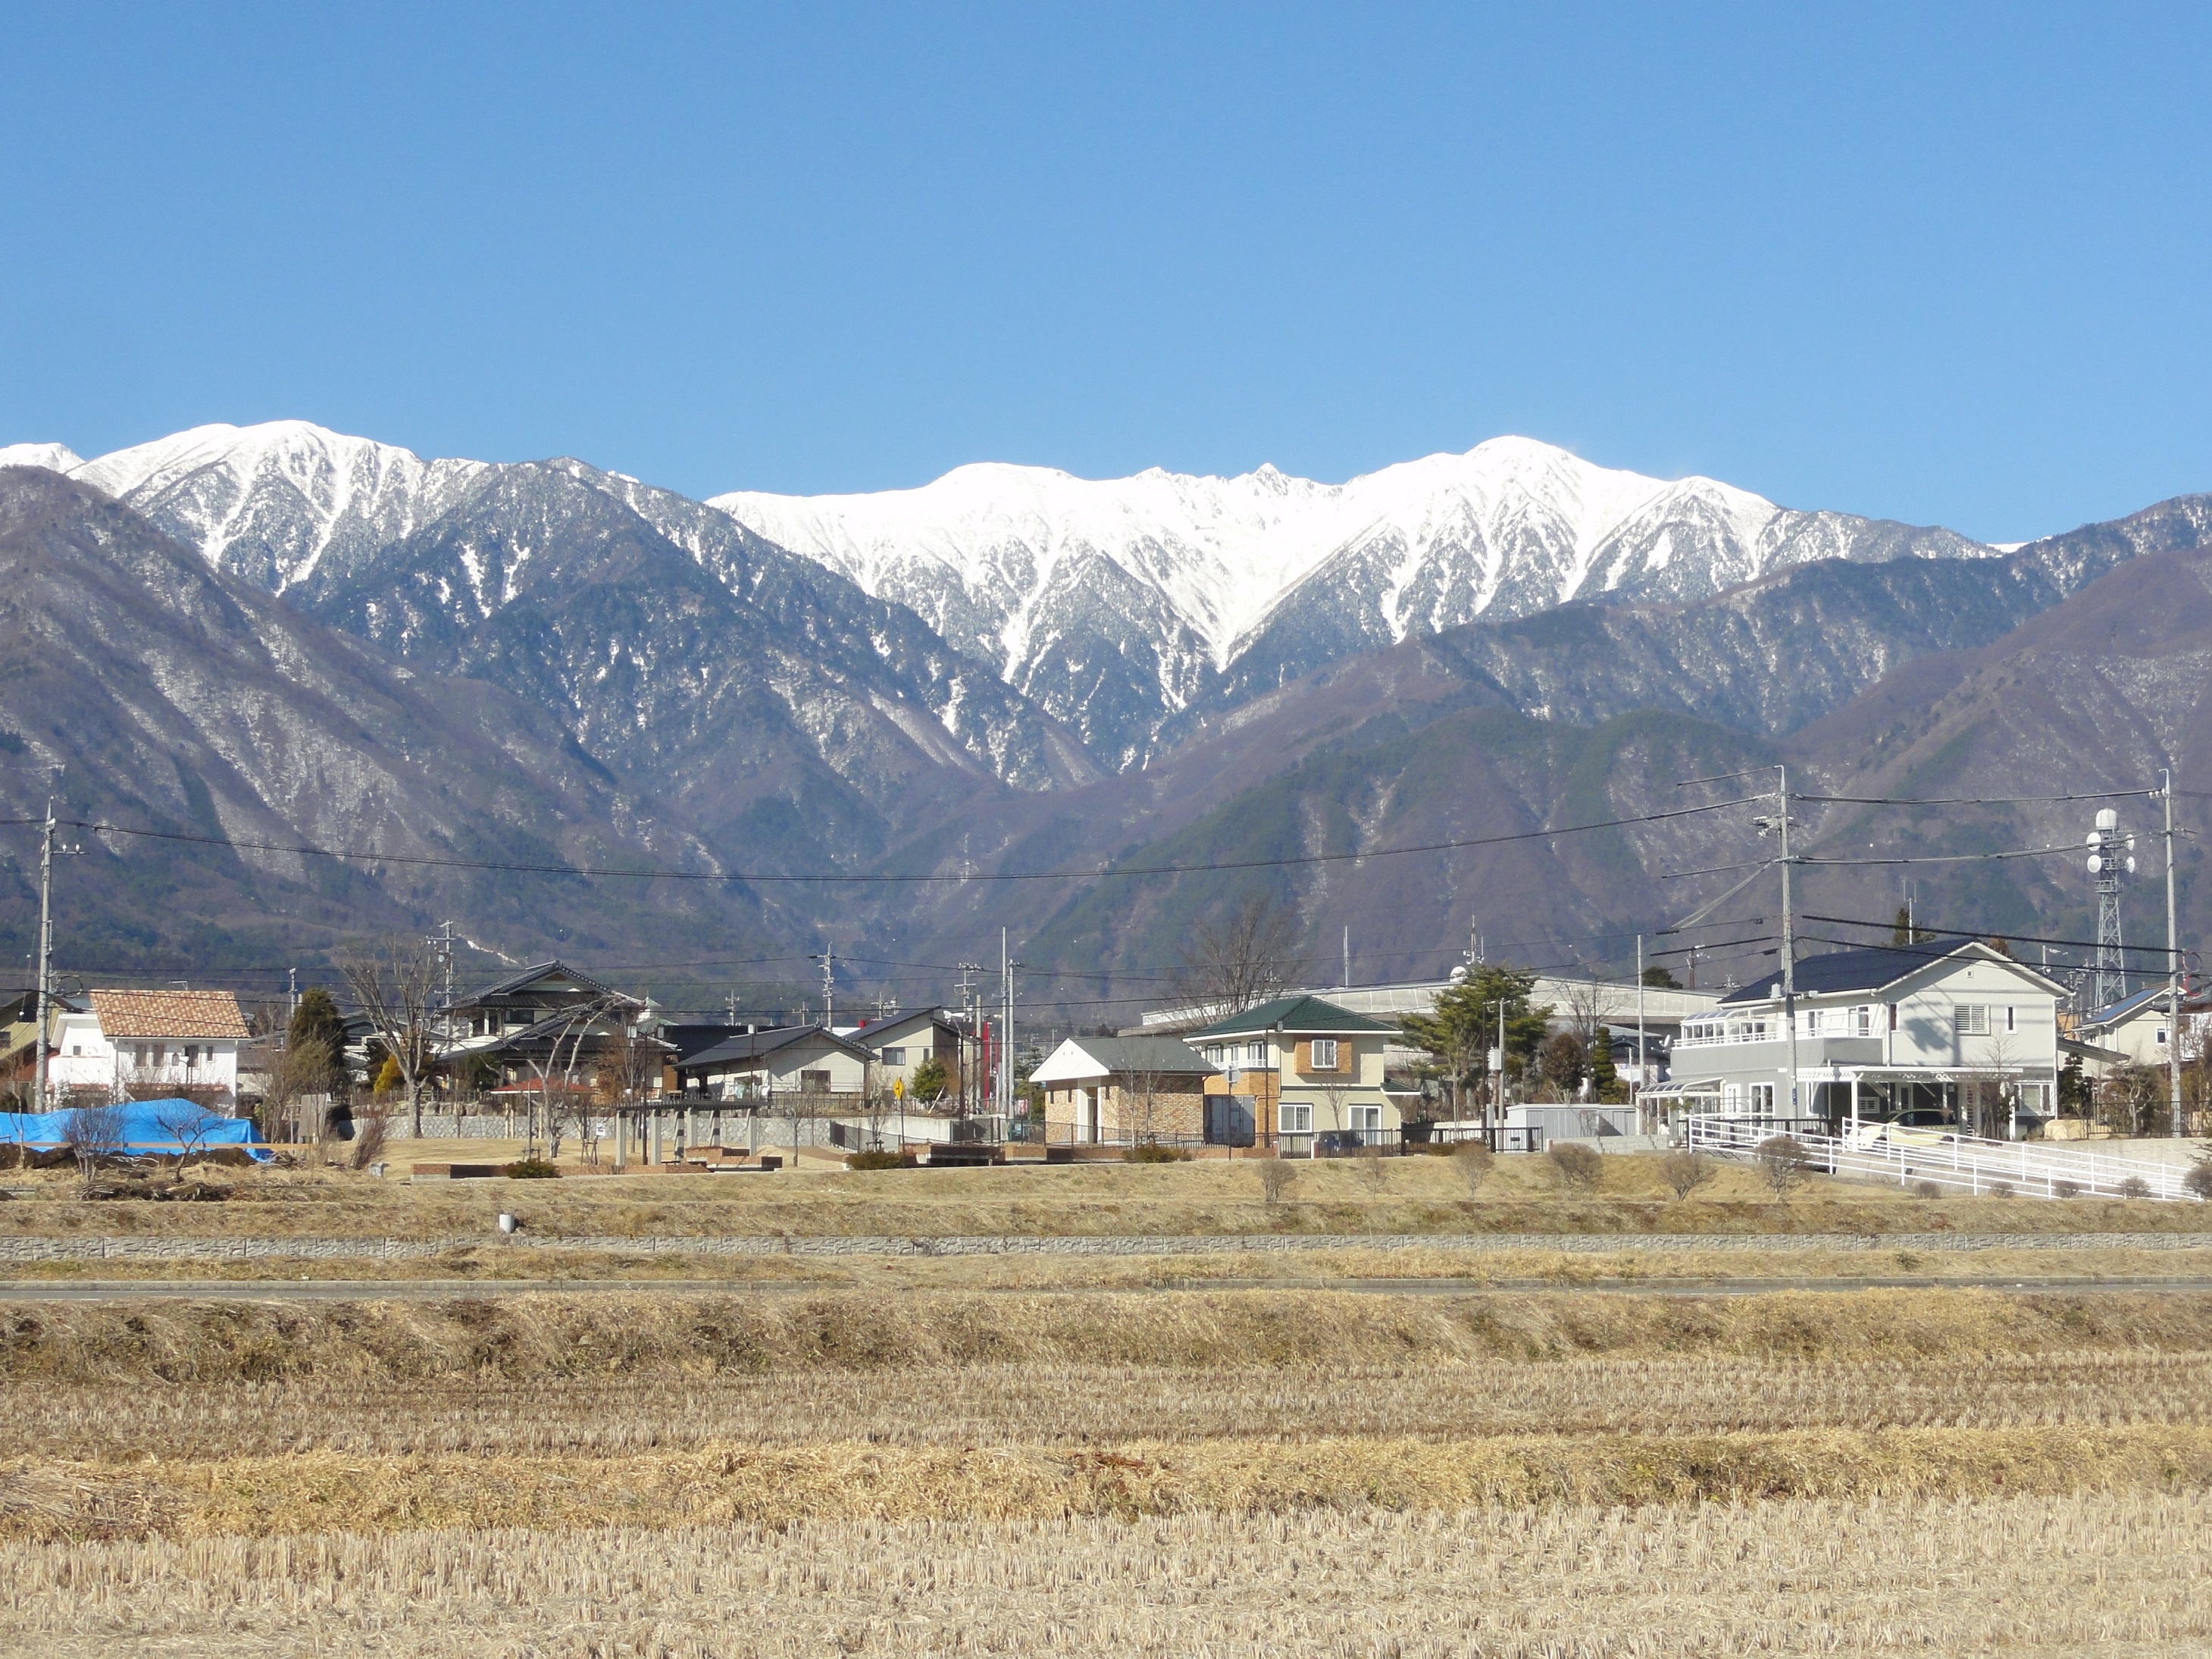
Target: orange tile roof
(168, 1014)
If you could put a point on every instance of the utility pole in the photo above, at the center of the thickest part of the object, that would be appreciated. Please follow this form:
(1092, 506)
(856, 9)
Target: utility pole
(827, 958)
(1641, 1080)
(45, 975)
(971, 1037)
(1347, 957)
(731, 1005)
(1496, 1083)
(1780, 824)
(1007, 966)
(2172, 971)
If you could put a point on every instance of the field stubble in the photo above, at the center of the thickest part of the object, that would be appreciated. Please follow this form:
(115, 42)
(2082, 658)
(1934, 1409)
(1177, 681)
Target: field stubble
(2110, 1574)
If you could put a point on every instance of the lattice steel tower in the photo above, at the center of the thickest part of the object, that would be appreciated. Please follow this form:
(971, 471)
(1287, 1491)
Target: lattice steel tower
(2112, 862)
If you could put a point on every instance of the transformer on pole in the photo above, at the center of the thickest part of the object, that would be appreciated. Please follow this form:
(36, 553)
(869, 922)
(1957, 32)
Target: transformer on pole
(2111, 860)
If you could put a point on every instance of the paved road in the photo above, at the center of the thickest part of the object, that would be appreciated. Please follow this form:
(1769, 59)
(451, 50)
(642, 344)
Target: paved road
(360, 1289)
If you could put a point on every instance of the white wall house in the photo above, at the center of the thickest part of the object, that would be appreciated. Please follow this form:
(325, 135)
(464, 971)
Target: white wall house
(1948, 1029)
(902, 1042)
(787, 1060)
(142, 1044)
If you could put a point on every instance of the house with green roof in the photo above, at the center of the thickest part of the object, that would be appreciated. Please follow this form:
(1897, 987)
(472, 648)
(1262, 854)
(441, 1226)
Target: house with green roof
(1297, 1073)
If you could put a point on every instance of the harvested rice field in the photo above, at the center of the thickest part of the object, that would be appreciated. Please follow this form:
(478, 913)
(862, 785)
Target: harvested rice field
(1215, 1196)
(2030, 1577)
(1220, 1472)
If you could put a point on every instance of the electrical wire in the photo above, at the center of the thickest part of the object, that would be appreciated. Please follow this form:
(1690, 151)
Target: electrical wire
(1102, 871)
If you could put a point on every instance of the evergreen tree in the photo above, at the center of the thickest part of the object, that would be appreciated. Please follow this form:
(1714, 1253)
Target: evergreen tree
(1605, 1080)
(1464, 1028)
(317, 1030)
(1661, 978)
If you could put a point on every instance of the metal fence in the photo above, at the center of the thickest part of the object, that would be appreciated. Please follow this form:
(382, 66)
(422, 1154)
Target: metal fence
(1954, 1161)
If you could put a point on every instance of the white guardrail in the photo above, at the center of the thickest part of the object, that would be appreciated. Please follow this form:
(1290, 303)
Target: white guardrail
(1966, 1162)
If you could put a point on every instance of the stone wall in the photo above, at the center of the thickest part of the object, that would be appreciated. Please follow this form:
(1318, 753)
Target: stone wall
(327, 1248)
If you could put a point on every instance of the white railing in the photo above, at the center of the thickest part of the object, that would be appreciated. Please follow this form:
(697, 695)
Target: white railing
(1721, 1039)
(1966, 1163)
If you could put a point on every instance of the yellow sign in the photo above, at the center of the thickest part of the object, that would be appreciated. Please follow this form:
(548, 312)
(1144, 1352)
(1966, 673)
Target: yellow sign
(898, 1088)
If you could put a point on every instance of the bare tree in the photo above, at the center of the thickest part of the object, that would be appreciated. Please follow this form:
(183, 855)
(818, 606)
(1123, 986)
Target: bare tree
(1783, 1163)
(92, 1133)
(1684, 1172)
(1275, 1178)
(1472, 1160)
(300, 1072)
(396, 988)
(189, 1124)
(1237, 963)
(1141, 1091)
(558, 1096)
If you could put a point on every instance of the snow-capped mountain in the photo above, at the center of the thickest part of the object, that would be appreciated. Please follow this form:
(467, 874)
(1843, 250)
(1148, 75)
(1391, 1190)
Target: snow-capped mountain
(55, 458)
(1124, 607)
(1115, 603)
(282, 503)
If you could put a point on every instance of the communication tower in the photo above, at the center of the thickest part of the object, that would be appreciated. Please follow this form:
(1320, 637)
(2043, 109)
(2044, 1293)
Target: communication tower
(2112, 862)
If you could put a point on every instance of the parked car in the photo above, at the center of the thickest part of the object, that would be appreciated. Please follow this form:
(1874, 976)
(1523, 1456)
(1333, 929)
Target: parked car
(1923, 1126)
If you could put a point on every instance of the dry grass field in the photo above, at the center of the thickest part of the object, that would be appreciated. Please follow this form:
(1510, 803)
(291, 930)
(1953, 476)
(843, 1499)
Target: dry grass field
(1016, 1454)
(2115, 1575)
(1335, 1196)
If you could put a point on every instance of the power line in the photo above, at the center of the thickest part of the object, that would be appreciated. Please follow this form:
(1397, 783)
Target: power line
(1102, 871)
(1970, 800)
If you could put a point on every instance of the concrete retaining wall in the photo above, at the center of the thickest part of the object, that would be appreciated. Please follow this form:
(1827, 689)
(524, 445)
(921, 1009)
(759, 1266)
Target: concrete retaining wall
(397, 1249)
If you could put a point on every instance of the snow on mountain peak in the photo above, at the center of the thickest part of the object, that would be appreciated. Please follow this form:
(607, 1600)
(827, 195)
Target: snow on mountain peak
(55, 458)
(274, 501)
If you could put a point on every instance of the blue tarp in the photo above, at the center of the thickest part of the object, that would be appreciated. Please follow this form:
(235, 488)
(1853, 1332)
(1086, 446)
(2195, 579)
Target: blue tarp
(145, 1126)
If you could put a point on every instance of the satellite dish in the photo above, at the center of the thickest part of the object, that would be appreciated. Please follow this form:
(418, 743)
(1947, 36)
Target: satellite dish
(2090, 840)
(1458, 976)
(2131, 864)
(2095, 864)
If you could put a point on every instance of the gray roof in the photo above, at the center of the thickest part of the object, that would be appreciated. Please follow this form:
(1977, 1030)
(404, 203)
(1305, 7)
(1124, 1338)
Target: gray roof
(1142, 1053)
(1868, 970)
(752, 1045)
(1296, 1015)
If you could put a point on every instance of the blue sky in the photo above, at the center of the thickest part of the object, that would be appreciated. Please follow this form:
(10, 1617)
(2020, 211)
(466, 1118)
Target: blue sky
(1945, 265)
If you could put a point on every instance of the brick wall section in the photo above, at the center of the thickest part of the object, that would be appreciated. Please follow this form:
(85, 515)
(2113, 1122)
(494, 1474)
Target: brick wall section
(408, 1249)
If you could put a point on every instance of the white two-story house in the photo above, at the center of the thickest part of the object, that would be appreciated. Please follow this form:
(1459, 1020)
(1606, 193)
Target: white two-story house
(138, 1045)
(1946, 1030)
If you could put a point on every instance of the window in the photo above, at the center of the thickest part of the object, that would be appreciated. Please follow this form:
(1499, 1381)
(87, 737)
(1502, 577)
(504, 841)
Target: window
(2012, 1019)
(1366, 1119)
(1213, 1053)
(1298, 1118)
(1255, 1054)
(814, 1081)
(1762, 1100)
(1863, 1021)
(894, 1056)
(1324, 1054)
(1731, 1098)
(2161, 1038)
(1971, 1020)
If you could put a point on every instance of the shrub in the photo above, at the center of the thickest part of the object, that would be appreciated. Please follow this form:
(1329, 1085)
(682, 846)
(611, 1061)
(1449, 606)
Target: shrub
(2199, 1179)
(1275, 1179)
(2135, 1187)
(1684, 1172)
(530, 1169)
(1472, 1160)
(1999, 1189)
(1577, 1165)
(1783, 1162)
(371, 1123)
(1151, 1151)
(882, 1160)
(2067, 1188)
(1926, 1189)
